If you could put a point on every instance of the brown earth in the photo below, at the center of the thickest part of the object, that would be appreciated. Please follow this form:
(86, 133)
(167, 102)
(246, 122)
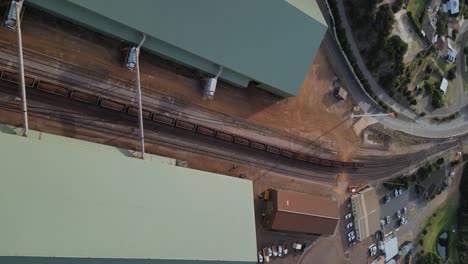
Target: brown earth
(314, 115)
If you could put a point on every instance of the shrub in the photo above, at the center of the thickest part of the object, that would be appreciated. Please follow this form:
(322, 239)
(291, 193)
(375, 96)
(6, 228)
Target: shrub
(454, 34)
(440, 161)
(414, 23)
(452, 74)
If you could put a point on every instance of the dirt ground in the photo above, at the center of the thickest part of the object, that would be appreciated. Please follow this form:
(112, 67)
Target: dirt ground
(404, 29)
(314, 116)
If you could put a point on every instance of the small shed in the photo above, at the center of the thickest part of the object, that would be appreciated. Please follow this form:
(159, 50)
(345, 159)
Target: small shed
(443, 86)
(341, 93)
(390, 248)
(451, 55)
(454, 7)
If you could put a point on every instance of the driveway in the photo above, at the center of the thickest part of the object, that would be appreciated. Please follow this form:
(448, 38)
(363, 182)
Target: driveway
(405, 31)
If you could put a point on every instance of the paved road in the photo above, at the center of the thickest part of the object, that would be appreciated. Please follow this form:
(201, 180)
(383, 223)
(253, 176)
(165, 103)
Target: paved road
(408, 121)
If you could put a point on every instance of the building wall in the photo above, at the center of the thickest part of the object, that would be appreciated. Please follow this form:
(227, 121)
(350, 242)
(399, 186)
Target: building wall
(271, 42)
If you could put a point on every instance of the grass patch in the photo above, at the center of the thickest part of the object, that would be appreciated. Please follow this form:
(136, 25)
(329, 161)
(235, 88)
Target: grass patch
(452, 93)
(416, 7)
(445, 217)
(443, 66)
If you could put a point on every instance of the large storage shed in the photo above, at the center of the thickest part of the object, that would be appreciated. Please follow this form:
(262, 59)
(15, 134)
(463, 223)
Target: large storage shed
(66, 201)
(298, 212)
(271, 42)
(366, 211)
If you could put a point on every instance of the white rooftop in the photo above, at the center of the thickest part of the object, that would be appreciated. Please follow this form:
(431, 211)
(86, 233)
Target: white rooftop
(454, 7)
(391, 248)
(443, 86)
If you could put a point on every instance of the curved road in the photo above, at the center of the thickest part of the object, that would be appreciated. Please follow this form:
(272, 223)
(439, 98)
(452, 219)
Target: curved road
(408, 121)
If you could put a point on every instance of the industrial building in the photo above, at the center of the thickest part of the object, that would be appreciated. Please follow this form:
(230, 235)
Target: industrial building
(366, 211)
(390, 248)
(297, 212)
(69, 201)
(269, 43)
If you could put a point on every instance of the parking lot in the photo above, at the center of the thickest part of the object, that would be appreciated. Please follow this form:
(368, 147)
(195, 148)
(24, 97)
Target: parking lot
(409, 199)
(396, 203)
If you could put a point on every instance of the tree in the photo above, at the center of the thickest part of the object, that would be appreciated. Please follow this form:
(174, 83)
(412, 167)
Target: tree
(429, 258)
(452, 73)
(383, 22)
(437, 100)
(454, 34)
(396, 47)
(440, 161)
(397, 5)
(441, 25)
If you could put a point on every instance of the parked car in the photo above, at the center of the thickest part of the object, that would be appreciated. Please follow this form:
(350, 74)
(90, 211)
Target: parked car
(266, 255)
(285, 249)
(275, 250)
(404, 210)
(349, 225)
(387, 219)
(373, 250)
(348, 216)
(260, 257)
(398, 214)
(280, 250)
(400, 191)
(297, 246)
(396, 192)
(387, 198)
(270, 252)
(403, 221)
(351, 234)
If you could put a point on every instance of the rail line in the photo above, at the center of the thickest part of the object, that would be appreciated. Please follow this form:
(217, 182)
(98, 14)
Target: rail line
(160, 117)
(233, 121)
(119, 126)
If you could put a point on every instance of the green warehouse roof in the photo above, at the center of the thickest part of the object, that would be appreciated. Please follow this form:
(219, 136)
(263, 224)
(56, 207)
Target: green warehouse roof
(69, 201)
(272, 42)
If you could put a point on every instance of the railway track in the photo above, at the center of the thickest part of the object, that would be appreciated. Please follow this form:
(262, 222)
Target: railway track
(160, 116)
(117, 87)
(118, 125)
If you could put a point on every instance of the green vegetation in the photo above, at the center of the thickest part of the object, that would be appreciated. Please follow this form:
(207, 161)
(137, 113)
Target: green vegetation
(420, 175)
(396, 6)
(441, 221)
(343, 40)
(463, 216)
(429, 258)
(416, 25)
(442, 24)
(416, 7)
(382, 54)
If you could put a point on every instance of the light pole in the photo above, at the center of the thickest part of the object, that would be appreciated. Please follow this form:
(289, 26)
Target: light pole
(19, 42)
(140, 111)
